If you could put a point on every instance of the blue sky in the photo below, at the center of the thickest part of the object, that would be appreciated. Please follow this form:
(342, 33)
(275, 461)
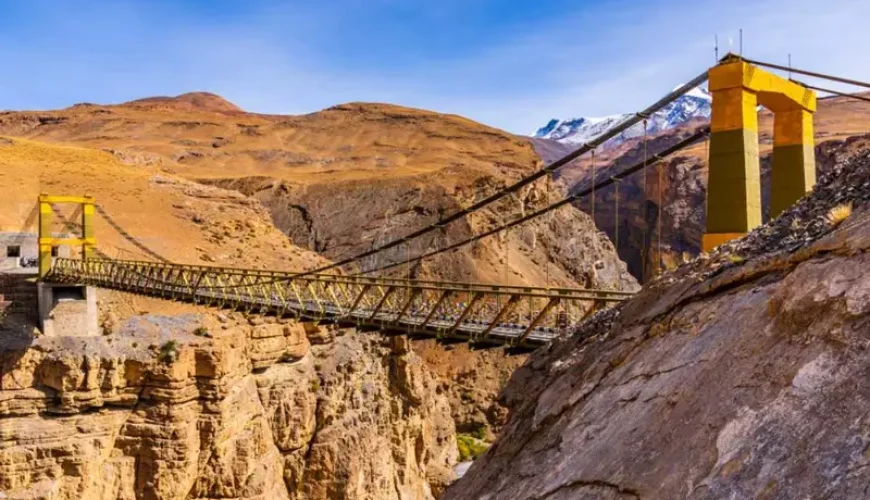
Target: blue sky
(511, 64)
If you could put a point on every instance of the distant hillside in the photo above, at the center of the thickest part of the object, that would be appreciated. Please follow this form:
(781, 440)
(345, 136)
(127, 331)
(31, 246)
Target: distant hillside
(349, 177)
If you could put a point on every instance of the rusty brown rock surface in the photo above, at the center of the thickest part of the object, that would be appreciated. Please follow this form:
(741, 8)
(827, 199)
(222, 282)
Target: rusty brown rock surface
(340, 219)
(471, 380)
(163, 410)
(741, 375)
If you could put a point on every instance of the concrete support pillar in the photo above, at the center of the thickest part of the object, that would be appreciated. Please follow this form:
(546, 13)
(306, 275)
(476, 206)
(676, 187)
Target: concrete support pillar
(794, 160)
(734, 186)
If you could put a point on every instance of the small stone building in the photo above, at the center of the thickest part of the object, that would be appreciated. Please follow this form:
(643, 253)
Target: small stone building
(20, 251)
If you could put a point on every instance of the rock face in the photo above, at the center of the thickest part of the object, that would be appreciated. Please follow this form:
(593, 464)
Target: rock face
(471, 380)
(163, 410)
(562, 249)
(741, 375)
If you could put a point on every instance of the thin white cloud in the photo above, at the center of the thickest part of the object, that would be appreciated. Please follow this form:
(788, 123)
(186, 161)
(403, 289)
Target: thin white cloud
(601, 74)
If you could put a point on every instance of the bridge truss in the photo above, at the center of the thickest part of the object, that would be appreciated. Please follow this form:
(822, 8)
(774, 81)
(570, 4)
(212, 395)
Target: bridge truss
(477, 313)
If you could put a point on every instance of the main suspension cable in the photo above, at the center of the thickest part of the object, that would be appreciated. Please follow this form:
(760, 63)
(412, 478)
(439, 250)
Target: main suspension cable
(700, 134)
(627, 123)
(834, 92)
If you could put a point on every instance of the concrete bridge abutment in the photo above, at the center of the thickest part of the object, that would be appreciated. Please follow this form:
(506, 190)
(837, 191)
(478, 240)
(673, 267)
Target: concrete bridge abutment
(67, 310)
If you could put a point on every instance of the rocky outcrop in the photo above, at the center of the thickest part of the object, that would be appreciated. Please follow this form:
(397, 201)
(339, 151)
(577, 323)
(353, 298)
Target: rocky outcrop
(471, 379)
(200, 407)
(740, 375)
(560, 249)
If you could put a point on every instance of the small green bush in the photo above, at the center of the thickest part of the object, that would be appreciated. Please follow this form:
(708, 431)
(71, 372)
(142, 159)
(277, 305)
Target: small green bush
(201, 331)
(168, 352)
(470, 448)
(479, 433)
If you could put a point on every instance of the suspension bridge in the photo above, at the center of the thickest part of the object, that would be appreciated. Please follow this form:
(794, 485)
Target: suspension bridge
(485, 313)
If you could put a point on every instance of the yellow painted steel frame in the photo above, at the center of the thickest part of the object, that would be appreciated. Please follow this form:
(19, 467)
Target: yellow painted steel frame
(532, 324)
(46, 241)
(465, 312)
(441, 299)
(504, 311)
(734, 186)
(478, 313)
(411, 298)
(226, 274)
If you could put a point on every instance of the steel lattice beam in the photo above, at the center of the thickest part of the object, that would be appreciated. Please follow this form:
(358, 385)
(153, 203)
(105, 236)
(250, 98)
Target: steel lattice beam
(469, 311)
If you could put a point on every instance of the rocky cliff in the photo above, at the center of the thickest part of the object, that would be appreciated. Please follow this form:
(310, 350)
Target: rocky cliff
(342, 219)
(471, 380)
(198, 406)
(742, 374)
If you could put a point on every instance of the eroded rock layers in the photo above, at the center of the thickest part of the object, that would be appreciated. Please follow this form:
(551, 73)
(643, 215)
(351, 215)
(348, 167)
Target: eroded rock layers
(168, 410)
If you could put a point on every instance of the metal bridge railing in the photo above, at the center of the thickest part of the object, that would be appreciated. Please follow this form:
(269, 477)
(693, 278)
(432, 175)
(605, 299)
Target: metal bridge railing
(512, 315)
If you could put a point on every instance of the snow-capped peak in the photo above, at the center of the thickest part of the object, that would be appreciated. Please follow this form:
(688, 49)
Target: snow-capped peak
(695, 103)
(699, 92)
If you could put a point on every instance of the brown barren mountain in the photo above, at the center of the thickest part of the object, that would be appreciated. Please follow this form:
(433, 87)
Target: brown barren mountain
(187, 402)
(349, 177)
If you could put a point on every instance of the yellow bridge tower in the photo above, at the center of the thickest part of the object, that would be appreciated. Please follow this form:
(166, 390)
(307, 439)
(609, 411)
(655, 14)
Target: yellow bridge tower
(734, 186)
(47, 241)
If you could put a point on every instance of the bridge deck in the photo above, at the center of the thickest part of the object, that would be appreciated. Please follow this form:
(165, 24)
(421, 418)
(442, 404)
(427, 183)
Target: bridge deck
(515, 316)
